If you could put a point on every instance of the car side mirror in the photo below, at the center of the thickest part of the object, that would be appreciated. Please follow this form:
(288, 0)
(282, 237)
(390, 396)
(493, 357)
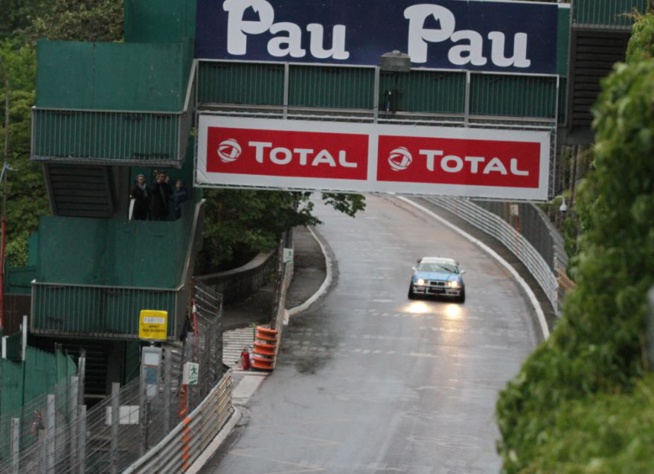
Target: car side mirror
(413, 268)
(462, 272)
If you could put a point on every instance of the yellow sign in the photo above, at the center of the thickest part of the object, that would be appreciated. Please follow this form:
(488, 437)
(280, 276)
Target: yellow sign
(153, 325)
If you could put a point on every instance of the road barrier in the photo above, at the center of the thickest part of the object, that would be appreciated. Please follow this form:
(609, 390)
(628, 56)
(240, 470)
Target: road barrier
(264, 348)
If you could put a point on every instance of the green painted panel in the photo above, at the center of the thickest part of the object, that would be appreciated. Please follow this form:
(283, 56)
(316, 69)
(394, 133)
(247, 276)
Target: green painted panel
(144, 254)
(132, 360)
(606, 12)
(241, 83)
(563, 100)
(22, 382)
(439, 92)
(111, 76)
(19, 280)
(331, 87)
(514, 96)
(64, 74)
(159, 21)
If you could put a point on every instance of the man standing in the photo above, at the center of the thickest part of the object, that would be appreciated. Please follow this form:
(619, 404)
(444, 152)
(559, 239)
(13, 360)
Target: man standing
(141, 194)
(161, 197)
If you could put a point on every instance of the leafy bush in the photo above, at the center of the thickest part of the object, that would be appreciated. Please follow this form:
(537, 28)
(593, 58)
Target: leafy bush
(597, 348)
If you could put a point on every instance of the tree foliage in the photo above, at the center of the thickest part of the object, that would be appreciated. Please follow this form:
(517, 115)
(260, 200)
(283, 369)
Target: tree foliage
(25, 193)
(598, 346)
(17, 15)
(80, 20)
(25, 22)
(240, 222)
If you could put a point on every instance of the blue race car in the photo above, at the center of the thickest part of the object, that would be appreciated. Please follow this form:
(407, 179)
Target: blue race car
(437, 276)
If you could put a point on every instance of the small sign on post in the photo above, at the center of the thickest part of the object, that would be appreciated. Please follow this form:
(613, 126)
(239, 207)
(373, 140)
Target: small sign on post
(191, 373)
(150, 370)
(153, 325)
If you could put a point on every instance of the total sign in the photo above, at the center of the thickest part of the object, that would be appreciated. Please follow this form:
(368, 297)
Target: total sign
(356, 157)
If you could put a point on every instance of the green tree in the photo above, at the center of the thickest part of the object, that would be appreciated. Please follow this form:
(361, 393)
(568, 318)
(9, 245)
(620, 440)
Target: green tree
(598, 346)
(25, 194)
(240, 223)
(80, 20)
(17, 15)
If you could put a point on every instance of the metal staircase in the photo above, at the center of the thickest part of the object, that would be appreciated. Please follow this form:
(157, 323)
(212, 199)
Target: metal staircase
(78, 190)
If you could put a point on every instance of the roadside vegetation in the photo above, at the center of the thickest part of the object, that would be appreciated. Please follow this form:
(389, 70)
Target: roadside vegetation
(583, 402)
(238, 224)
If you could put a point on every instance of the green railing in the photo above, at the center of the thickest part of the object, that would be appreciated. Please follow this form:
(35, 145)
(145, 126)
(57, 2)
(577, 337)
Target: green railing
(366, 93)
(114, 137)
(617, 14)
(100, 311)
(110, 137)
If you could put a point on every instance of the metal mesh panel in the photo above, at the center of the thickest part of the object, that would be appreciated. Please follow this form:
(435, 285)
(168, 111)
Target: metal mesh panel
(205, 345)
(362, 93)
(331, 87)
(241, 83)
(44, 427)
(145, 138)
(607, 13)
(534, 226)
(520, 96)
(97, 310)
(426, 91)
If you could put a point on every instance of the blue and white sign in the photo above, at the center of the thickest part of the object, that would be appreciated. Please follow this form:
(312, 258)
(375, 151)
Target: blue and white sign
(514, 37)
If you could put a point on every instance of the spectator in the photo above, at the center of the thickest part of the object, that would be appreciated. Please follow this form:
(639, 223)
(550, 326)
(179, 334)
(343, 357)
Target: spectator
(141, 194)
(180, 195)
(161, 196)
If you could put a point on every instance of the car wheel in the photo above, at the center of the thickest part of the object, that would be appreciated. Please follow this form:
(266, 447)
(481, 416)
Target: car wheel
(462, 298)
(411, 295)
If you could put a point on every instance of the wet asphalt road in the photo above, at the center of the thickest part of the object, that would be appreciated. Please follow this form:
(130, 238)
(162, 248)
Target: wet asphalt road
(368, 381)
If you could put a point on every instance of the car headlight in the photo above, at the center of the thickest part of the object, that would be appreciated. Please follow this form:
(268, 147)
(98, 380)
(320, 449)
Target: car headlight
(420, 282)
(454, 284)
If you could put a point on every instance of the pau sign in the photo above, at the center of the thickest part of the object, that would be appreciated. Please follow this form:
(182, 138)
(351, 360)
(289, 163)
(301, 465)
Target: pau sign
(513, 37)
(358, 157)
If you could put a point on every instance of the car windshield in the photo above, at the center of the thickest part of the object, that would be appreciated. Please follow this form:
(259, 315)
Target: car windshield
(437, 267)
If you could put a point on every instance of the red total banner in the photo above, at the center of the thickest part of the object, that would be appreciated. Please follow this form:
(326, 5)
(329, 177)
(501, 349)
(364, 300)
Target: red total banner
(356, 157)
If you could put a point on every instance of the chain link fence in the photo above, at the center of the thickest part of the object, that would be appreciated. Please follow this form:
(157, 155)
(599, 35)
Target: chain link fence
(56, 434)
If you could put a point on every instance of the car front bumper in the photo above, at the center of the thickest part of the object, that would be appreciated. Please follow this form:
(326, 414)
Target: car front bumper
(435, 290)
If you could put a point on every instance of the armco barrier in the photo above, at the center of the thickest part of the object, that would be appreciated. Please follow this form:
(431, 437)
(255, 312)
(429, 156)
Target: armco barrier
(190, 438)
(542, 262)
(239, 283)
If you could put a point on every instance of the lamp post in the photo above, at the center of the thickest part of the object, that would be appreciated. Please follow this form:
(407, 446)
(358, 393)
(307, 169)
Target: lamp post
(395, 62)
(4, 198)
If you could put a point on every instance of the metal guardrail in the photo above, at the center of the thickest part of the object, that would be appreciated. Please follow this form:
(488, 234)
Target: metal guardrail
(182, 446)
(241, 282)
(145, 423)
(542, 260)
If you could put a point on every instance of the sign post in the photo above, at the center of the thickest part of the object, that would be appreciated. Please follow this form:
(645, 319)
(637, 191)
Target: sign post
(153, 325)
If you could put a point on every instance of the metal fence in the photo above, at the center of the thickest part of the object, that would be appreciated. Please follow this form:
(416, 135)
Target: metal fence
(98, 310)
(56, 434)
(609, 14)
(524, 230)
(328, 92)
